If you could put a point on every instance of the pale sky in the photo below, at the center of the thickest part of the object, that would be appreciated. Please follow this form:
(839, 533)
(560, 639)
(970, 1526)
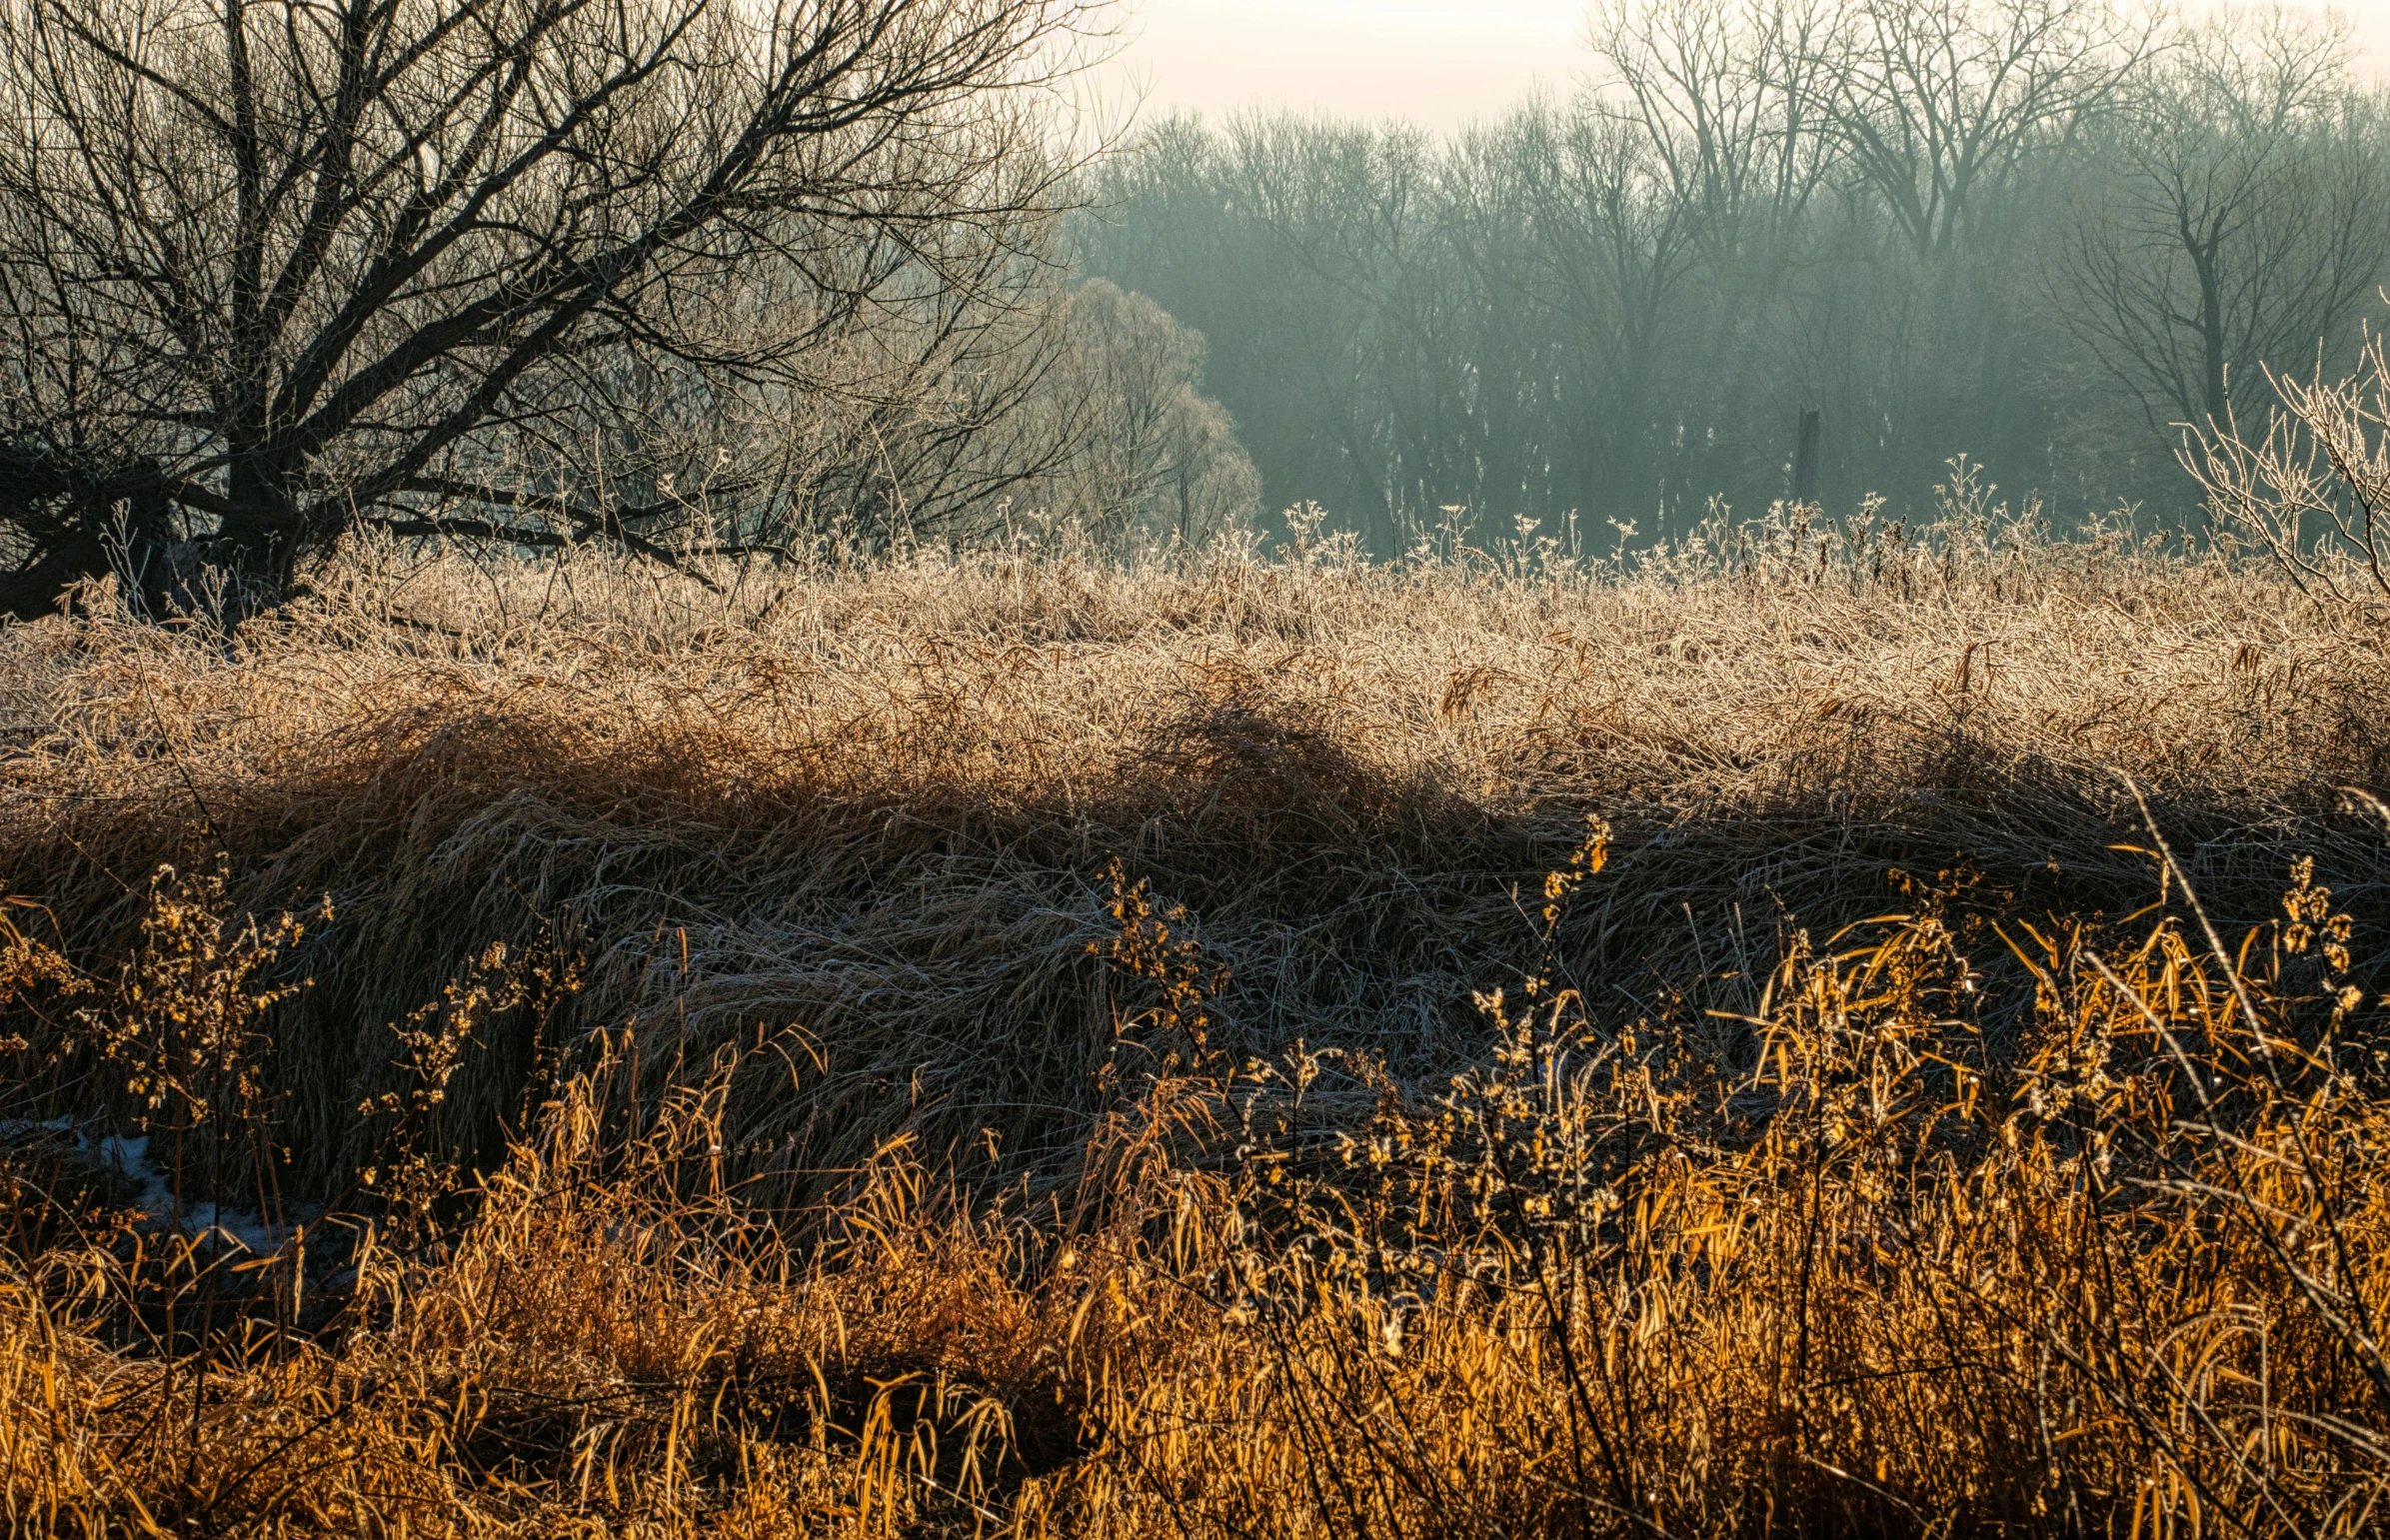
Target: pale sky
(1436, 62)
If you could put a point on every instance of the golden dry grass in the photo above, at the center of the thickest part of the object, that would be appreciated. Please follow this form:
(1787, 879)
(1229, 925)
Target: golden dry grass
(863, 1156)
(878, 804)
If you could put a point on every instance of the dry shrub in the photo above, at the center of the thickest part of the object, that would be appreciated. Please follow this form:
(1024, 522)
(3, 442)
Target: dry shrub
(2124, 1277)
(1854, 1265)
(2313, 492)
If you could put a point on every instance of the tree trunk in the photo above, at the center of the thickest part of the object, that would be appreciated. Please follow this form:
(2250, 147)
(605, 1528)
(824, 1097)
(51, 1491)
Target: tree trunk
(2214, 384)
(1804, 457)
(255, 550)
(93, 523)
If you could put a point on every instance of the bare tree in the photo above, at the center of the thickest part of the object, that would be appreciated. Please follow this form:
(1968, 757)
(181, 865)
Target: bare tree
(1728, 97)
(1616, 305)
(276, 266)
(1617, 230)
(1344, 202)
(1938, 103)
(2238, 220)
(1155, 460)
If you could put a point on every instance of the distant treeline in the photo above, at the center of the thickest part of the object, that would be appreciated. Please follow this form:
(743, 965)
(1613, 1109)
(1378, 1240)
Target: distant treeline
(2032, 231)
(746, 281)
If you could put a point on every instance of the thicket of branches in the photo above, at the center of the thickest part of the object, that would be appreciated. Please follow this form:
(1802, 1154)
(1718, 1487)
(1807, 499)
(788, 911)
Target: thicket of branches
(671, 275)
(2027, 230)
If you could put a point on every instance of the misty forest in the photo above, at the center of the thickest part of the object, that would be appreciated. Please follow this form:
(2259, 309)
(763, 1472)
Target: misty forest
(2037, 235)
(649, 286)
(760, 779)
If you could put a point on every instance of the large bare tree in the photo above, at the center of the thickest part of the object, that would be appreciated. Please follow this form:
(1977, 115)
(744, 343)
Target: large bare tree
(272, 268)
(1937, 104)
(2236, 221)
(1729, 99)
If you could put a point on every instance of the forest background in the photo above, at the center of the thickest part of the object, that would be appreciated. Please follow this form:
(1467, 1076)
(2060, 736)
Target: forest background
(2045, 236)
(1783, 248)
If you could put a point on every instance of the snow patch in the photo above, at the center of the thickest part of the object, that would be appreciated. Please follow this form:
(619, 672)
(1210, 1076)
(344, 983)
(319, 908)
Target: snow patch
(154, 1192)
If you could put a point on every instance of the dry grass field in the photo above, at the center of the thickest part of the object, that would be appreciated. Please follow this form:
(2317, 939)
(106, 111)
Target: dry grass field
(1833, 1031)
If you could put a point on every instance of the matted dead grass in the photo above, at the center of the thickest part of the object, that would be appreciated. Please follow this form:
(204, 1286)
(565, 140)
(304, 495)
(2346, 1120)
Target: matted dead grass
(876, 805)
(869, 1152)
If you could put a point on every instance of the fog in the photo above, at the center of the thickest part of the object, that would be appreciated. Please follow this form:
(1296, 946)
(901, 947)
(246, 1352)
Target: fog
(2035, 233)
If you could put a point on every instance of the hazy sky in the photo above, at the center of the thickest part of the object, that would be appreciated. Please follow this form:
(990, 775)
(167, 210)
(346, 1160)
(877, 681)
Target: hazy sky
(1436, 62)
